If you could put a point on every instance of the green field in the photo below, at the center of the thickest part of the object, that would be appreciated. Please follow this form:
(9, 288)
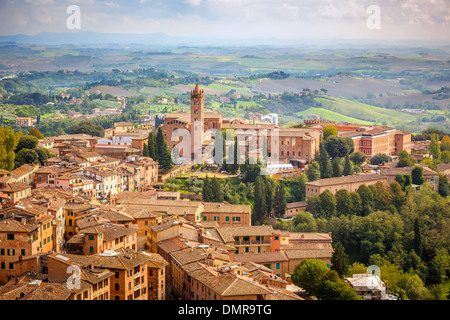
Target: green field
(330, 115)
(364, 111)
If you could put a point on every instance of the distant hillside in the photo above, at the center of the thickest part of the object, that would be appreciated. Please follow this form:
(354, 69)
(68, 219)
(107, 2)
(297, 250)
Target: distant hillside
(330, 115)
(363, 111)
(87, 37)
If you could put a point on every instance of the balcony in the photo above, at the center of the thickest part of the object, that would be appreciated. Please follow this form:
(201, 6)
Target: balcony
(137, 287)
(136, 275)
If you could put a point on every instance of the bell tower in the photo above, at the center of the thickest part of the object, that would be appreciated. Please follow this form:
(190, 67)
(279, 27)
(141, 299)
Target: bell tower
(197, 115)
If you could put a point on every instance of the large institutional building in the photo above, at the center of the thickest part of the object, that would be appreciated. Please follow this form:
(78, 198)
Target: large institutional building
(283, 144)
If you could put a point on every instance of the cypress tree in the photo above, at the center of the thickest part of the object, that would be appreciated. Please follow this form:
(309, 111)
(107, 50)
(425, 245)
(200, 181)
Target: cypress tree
(337, 170)
(339, 260)
(152, 146)
(207, 193)
(279, 203)
(259, 207)
(164, 153)
(269, 196)
(145, 150)
(326, 170)
(216, 190)
(347, 166)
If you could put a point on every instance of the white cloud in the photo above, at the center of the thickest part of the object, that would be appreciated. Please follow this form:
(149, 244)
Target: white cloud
(193, 2)
(112, 4)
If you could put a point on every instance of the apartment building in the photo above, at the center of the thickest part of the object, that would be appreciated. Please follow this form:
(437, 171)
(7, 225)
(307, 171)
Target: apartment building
(79, 274)
(16, 239)
(98, 239)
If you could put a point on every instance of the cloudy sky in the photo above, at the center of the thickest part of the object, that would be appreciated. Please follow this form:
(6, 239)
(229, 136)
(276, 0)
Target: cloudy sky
(282, 19)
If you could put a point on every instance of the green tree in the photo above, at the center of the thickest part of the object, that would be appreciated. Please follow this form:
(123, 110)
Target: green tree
(217, 190)
(380, 158)
(327, 204)
(339, 260)
(313, 205)
(344, 205)
(313, 171)
(35, 132)
(26, 156)
(145, 152)
(435, 147)
(329, 131)
(400, 179)
(404, 160)
(358, 158)
(326, 170)
(207, 190)
(152, 146)
(366, 199)
(279, 203)
(332, 287)
(417, 175)
(164, 153)
(417, 242)
(269, 195)
(259, 208)
(415, 289)
(308, 275)
(338, 147)
(443, 185)
(88, 127)
(43, 155)
(397, 195)
(445, 156)
(383, 196)
(356, 268)
(348, 169)
(304, 222)
(337, 167)
(356, 203)
(408, 181)
(27, 142)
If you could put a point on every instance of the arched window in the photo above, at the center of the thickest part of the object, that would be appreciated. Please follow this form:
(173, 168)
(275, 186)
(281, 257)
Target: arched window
(116, 287)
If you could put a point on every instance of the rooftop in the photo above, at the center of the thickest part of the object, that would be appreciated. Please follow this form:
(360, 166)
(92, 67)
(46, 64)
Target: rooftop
(346, 179)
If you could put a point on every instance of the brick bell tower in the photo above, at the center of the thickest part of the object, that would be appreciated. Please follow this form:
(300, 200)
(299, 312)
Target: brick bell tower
(197, 117)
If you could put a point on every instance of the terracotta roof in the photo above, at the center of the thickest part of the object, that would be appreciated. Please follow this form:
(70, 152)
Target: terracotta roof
(238, 231)
(24, 169)
(11, 225)
(407, 170)
(171, 245)
(226, 207)
(261, 258)
(308, 254)
(110, 232)
(15, 186)
(194, 254)
(120, 260)
(27, 287)
(307, 236)
(346, 179)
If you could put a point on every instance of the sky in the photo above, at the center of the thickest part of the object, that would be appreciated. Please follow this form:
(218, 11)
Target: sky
(240, 19)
